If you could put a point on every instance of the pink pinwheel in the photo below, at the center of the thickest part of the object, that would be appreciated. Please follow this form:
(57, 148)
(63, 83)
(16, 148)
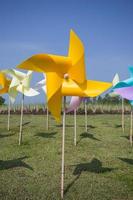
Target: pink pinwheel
(125, 92)
(74, 103)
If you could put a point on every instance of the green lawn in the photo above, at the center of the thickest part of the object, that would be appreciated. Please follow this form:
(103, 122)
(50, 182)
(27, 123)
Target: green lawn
(100, 167)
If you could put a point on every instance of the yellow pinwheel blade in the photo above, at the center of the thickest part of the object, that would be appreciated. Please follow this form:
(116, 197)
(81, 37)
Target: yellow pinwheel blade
(47, 63)
(54, 105)
(4, 83)
(95, 88)
(88, 88)
(53, 87)
(76, 54)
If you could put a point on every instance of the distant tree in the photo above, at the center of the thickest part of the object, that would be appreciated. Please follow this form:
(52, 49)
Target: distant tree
(99, 99)
(112, 100)
(2, 100)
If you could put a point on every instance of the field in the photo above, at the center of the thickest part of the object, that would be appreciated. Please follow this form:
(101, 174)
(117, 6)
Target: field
(100, 167)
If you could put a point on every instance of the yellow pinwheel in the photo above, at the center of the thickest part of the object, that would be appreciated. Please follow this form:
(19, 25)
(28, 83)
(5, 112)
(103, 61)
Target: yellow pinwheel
(65, 75)
(4, 83)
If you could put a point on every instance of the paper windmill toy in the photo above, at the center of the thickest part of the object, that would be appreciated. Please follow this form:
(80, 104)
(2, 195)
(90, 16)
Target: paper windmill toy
(66, 75)
(4, 83)
(20, 83)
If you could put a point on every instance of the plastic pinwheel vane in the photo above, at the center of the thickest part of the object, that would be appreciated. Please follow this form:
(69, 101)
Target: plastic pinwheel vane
(20, 83)
(125, 90)
(66, 75)
(4, 83)
(115, 81)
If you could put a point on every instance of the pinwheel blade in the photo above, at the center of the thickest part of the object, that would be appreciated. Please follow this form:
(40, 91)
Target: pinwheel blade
(74, 103)
(41, 85)
(116, 79)
(88, 89)
(14, 73)
(54, 105)
(54, 82)
(27, 92)
(4, 83)
(12, 94)
(76, 53)
(47, 63)
(15, 82)
(30, 92)
(96, 88)
(125, 92)
(27, 79)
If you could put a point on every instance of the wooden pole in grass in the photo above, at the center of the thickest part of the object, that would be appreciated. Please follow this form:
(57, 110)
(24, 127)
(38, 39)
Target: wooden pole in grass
(131, 127)
(122, 120)
(47, 120)
(75, 128)
(9, 113)
(21, 120)
(85, 115)
(63, 147)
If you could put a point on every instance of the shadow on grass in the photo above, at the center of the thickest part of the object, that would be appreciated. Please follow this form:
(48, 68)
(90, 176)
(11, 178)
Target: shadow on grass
(8, 164)
(118, 125)
(125, 136)
(88, 135)
(67, 125)
(88, 126)
(24, 124)
(72, 125)
(95, 166)
(46, 135)
(58, 125)
(127, 160)
(6, 135)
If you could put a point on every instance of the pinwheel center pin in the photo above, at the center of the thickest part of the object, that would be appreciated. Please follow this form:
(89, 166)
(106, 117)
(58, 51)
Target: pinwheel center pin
(66, 76)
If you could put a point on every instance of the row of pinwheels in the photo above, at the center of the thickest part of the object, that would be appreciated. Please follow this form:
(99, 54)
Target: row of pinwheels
(65, 76)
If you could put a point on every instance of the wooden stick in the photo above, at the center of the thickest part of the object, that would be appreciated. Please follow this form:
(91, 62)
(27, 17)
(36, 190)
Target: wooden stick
(85, 116)
(21, 120)
(75, 128)
(9, 113)
(131, 128)
(47, 120)
(123, 126)
(63, 146)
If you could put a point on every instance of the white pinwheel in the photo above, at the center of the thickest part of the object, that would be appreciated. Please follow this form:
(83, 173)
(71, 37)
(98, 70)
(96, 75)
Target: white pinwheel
(20, 83)
(116, 80)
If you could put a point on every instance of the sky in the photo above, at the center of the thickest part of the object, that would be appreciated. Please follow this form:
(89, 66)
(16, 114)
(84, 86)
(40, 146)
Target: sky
(30, 27)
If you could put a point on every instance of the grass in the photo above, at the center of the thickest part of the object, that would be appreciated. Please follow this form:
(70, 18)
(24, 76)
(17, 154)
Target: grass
(100, 167)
